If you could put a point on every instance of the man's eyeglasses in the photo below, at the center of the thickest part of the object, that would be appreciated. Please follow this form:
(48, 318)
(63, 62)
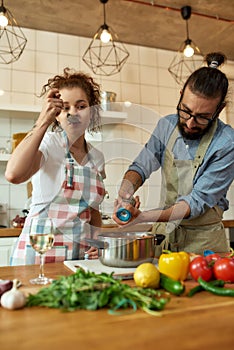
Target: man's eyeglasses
(199, 120)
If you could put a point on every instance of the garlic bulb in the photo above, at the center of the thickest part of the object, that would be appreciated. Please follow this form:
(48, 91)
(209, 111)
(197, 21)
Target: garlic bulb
(13, 299)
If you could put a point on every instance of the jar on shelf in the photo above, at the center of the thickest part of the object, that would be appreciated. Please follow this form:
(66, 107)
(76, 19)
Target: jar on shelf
(107, 100)
(17, 138)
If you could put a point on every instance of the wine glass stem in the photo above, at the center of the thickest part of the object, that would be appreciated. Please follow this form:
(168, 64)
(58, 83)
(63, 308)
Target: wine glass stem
(42, 259)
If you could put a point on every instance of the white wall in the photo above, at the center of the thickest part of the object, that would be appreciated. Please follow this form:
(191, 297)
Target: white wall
(144, 80)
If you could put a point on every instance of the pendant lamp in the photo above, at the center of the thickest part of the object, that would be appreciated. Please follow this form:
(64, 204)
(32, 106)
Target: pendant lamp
(105, 55)
(187, 59)
(12, 38)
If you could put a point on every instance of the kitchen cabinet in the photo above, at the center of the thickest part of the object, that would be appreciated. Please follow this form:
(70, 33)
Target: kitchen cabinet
(6, 246)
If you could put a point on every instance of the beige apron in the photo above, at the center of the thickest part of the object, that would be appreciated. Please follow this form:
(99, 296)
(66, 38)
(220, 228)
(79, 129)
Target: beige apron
(191, 235)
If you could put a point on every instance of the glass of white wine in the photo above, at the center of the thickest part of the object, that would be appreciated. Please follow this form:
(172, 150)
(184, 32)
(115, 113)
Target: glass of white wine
(41, 239)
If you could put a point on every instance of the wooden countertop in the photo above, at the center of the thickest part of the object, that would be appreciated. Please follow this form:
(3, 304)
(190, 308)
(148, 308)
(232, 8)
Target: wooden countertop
(10, 232)
(201, 322)
(15, 232)
(228, 223)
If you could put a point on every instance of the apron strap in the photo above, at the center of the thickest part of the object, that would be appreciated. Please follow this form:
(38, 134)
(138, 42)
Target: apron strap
(203, 146)
(69, 168)
(66, 145)
(172, 139)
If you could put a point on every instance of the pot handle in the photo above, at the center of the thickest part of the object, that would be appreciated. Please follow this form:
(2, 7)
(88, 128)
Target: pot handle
(96, 243)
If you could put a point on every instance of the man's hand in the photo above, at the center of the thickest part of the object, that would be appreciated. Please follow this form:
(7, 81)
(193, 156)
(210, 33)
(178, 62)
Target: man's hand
(134, 211)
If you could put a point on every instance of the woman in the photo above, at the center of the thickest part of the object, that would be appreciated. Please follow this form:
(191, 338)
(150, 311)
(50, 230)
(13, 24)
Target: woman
(67, 172)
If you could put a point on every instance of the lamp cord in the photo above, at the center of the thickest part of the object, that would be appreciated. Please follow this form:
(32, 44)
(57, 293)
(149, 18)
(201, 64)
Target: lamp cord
(187, 29)
(104, 13)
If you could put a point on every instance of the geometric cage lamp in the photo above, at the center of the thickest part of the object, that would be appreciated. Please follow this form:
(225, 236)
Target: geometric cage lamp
(12, 39)
(188, 57)
(105, 55)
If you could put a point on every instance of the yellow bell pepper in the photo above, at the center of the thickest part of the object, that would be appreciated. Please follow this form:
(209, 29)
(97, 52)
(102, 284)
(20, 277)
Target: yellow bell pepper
(174, 265)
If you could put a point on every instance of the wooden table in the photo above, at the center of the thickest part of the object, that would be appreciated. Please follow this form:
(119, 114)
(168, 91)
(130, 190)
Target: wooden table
(202, 322)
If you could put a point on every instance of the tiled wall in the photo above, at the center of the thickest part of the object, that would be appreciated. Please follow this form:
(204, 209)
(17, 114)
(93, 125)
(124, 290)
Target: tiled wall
(144, 81)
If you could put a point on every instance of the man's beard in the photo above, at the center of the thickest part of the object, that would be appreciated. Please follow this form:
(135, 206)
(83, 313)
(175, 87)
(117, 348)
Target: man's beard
(194, 136)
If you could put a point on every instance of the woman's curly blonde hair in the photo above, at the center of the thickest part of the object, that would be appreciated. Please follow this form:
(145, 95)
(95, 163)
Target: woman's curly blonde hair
(70, 79)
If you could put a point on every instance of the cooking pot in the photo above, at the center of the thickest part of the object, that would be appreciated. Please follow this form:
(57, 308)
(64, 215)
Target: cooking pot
(126, 249)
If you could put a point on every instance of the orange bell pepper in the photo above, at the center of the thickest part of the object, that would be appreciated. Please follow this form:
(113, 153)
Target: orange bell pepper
(174, 265)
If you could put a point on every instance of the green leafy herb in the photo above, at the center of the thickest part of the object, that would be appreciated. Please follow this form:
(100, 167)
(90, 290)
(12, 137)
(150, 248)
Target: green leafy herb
(90, 291)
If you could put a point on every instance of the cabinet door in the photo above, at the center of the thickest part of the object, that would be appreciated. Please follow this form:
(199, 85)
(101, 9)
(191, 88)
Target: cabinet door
(6, 246)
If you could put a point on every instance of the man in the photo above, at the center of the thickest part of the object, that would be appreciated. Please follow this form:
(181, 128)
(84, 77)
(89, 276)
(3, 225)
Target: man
(195, 151)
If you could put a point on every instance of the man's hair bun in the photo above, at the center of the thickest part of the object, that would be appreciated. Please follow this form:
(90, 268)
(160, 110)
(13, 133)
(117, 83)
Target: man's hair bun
(215, 59)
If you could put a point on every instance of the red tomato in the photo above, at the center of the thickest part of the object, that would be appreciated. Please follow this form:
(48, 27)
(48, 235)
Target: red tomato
(229, 255)
(224, 269)
(213, 257)
(199, 267)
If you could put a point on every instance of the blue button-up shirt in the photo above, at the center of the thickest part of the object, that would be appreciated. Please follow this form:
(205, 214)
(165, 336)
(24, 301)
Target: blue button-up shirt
(215, 174)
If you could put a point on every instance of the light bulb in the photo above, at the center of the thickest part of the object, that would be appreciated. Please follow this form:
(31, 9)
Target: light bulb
(188, 51)
(3, 20)
(127, 104)
(105, 36)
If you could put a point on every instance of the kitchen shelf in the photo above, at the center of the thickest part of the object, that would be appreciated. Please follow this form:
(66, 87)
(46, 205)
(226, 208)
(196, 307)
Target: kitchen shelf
(19, 111)
(4, 157)
(32, 112)
(113, 117)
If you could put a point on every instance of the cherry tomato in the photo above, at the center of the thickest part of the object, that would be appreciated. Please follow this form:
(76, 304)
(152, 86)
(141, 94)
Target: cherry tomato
(224, 269)
(199, 267)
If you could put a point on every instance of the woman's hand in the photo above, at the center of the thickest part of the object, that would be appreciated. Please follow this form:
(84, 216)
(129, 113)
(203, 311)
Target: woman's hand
(26, 158)
(52, 107)
(92, 253)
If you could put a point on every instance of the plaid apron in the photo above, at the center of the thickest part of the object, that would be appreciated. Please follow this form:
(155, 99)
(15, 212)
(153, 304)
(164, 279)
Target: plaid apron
(70, 211)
